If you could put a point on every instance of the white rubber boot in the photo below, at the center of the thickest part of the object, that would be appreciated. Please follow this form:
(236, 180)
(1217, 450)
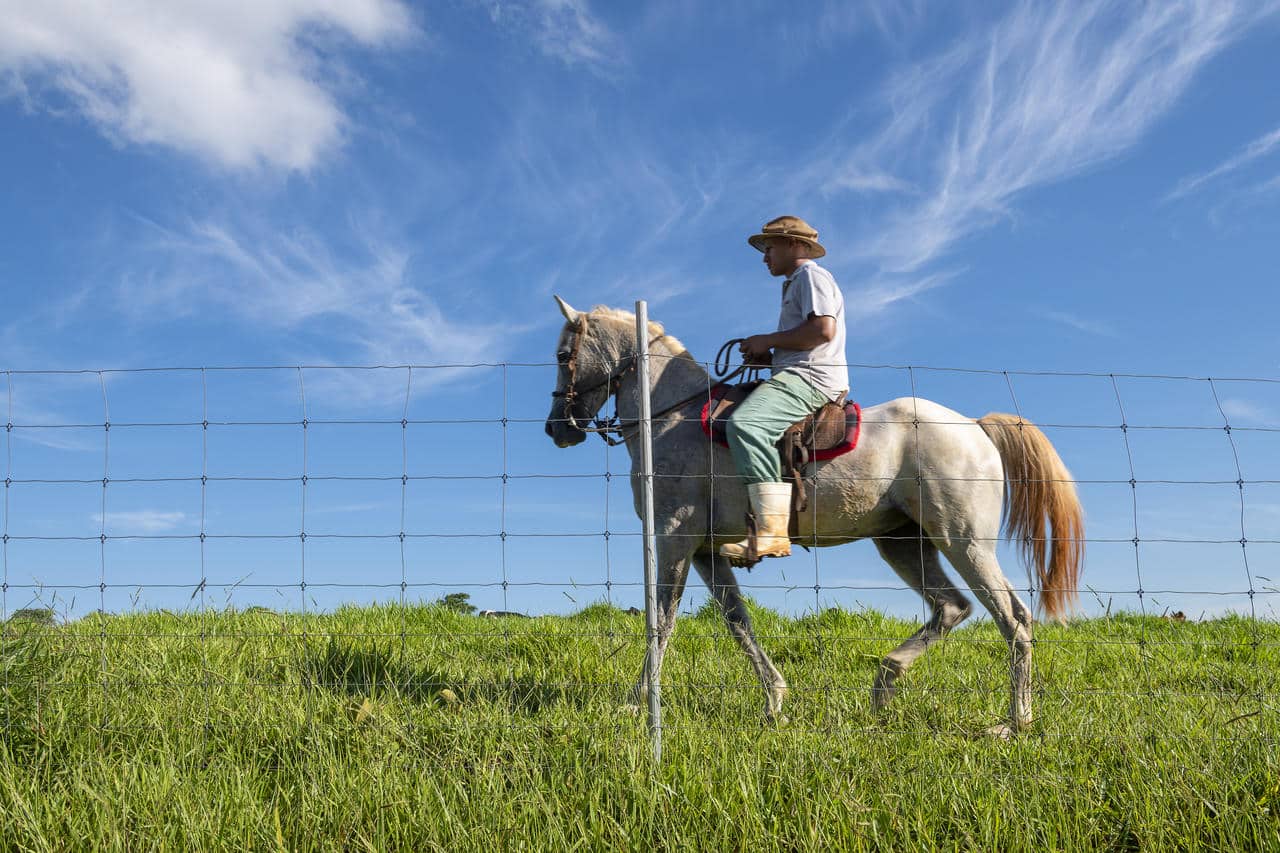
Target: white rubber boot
(771, 503)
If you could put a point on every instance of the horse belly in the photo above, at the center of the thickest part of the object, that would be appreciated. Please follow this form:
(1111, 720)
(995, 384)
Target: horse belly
(846, 509)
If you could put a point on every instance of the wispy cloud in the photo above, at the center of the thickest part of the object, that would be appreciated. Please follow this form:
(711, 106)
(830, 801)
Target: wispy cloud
(877, 296)
(343, 509)
(241, 84)
(1081, 324)
(363, 304)
(1260, 147)
(603, 199)
(140, 522)
(569, 32)
(564, 30)
(1270, 186)
(75, 440)
(1248, 411)
(860, 180)
(890, 18)
(1048, 91)
(588, 175)
(1271, 510)
(44, 409)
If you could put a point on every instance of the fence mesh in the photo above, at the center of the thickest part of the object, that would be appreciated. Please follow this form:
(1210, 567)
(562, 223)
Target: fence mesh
(403, 545)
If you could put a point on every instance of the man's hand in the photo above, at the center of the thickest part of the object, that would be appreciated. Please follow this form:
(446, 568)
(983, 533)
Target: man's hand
(756, 350)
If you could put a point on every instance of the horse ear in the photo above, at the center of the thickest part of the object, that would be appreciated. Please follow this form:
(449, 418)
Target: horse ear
(567, 310)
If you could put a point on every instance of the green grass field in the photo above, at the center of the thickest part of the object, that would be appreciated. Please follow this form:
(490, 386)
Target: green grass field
(422, 728)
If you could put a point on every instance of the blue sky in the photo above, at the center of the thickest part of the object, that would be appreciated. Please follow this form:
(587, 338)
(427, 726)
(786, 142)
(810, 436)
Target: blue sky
(1084, 188)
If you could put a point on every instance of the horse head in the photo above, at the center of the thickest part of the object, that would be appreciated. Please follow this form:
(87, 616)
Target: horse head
(588, 354)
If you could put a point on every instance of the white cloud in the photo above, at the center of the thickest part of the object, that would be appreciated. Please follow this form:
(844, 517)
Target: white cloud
(1050, 90)
(1259, 147)
(140, 522)
(240, 83)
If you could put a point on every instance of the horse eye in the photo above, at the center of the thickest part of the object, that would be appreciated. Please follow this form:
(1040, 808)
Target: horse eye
(562, 356)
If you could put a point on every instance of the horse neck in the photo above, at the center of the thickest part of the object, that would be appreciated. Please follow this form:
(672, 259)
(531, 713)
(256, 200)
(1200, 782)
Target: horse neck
(673, 376)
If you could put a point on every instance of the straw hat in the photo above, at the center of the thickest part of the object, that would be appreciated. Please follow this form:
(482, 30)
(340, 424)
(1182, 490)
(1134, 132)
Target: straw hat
(789, 226)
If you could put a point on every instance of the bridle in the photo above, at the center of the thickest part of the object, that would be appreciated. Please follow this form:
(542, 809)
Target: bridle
(612, 426)
(606, 428)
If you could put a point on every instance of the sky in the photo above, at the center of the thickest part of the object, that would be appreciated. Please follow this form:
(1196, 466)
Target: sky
(1089, 189)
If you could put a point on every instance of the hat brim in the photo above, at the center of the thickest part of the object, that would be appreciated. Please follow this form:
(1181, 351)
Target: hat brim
(759, 241)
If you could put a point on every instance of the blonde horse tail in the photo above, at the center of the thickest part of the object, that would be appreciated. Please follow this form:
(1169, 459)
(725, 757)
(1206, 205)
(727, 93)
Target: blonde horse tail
(1039, 493)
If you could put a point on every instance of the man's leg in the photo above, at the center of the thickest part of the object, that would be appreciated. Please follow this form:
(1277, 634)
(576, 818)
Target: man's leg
(753, 432)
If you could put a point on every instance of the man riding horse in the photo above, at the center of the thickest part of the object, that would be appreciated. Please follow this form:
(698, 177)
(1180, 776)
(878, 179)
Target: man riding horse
(923, 483)
(807, 357)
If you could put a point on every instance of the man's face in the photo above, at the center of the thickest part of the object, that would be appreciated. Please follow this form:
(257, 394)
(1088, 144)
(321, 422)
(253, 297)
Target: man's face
(781, 255)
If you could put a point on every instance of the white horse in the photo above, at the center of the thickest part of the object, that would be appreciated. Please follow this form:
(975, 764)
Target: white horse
(923, 480)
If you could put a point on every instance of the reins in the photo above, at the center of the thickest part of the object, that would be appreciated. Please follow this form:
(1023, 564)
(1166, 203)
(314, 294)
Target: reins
(721, 365)
(612, 426)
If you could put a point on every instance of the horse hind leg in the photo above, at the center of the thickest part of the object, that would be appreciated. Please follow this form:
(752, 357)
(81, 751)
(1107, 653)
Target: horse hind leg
(717, 574)
(976, 562)
(915, 559)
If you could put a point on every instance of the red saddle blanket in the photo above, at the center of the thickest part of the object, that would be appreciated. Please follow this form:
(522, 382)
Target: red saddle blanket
(716, 429)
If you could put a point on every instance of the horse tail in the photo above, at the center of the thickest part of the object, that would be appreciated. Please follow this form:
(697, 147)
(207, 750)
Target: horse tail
(1038, 489)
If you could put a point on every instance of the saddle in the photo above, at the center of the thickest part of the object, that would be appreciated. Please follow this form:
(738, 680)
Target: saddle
(829, 432)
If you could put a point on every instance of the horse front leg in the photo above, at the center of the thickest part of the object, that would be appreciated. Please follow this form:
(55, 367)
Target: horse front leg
(717, 574)
(673, 572)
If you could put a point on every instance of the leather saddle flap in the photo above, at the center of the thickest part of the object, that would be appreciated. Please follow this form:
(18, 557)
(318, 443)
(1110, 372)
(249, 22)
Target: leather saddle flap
(720, 405)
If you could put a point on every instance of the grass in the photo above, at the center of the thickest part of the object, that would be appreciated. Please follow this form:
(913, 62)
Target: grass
(421, 728)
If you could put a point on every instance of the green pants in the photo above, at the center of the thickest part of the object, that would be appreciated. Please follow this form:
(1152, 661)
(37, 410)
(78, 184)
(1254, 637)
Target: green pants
(759, 421)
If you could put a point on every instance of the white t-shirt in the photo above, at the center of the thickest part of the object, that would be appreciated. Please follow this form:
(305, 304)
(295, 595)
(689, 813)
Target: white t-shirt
(812, 290)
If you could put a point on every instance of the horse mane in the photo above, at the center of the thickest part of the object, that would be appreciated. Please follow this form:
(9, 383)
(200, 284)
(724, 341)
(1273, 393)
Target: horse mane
(628, 318)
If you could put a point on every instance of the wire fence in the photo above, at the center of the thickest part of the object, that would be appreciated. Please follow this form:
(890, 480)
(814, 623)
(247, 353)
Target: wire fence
(209, 531)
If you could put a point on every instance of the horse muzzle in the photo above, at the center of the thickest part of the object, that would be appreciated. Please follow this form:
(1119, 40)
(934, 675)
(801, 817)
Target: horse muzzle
(563, 434)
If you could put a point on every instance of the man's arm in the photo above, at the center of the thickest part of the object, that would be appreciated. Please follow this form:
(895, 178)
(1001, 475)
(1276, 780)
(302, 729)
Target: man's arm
(813, 332)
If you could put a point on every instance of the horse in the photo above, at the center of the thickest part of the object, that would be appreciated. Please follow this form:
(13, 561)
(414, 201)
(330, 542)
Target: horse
(923, 481)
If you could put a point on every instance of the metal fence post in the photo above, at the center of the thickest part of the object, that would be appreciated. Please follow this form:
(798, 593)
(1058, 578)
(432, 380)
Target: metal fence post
(650, 537)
